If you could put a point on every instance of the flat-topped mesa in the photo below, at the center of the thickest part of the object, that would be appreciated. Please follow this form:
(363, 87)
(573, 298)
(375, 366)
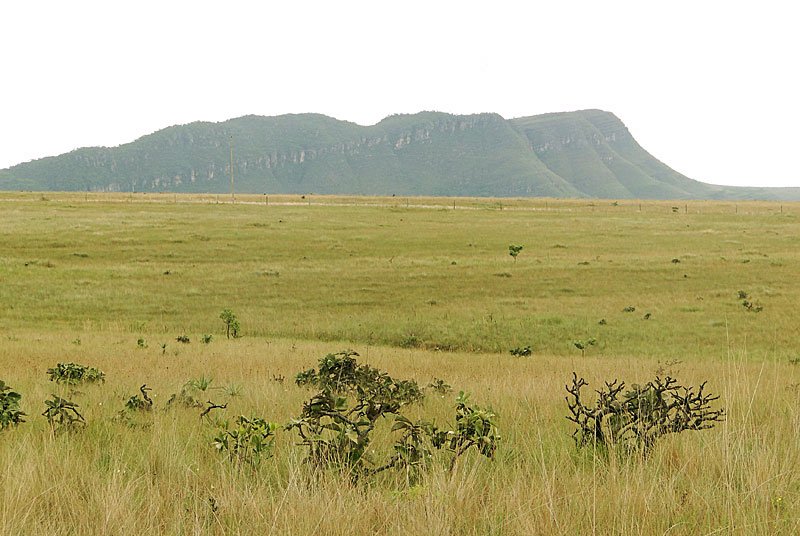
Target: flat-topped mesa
(586, 153)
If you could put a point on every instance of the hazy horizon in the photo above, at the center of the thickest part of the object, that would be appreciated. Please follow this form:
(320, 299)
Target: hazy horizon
(705, 88)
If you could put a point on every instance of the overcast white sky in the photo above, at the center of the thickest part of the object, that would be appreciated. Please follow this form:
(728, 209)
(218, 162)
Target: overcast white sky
(710, 88)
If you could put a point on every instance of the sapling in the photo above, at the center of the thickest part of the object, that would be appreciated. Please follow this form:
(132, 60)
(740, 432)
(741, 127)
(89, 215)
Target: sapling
(583, 345)
(62, 415)
(136, 405)
(514, 250)
(143, 403)
(231, 323)
(248, 441)
(475, 427)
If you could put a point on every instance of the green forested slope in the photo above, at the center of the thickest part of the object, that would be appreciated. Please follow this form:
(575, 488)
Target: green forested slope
(587, 153)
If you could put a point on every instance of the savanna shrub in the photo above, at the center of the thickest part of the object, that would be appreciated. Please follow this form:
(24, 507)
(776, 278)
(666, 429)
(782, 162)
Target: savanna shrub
(524, 351)
(335, 425)
(10, 414)
(74, 373)
(636, 418)
(248, 442)
(62, 415)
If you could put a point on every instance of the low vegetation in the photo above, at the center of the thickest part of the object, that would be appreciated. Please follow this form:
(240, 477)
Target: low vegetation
(634, 419)
(208, 438)
(10, 414)
(74, 373)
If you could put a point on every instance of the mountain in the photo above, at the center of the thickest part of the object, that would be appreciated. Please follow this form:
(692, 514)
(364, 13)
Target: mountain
(588, 153)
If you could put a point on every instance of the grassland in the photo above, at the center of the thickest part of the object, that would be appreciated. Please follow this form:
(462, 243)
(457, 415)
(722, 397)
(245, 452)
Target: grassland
(421, 290)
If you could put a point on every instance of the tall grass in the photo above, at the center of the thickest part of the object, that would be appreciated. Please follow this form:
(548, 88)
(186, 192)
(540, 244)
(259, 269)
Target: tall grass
(164, 476)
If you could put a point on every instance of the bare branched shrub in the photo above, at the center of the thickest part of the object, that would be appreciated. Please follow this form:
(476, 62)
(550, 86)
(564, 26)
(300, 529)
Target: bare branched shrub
(636, 418)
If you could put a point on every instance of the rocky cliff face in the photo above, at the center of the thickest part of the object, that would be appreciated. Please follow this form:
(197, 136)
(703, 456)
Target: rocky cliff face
(586, 153)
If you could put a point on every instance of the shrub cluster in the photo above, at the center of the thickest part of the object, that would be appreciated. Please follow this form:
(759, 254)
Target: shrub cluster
(74, 373)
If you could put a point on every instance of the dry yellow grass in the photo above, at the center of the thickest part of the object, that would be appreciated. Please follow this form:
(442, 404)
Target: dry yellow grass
(109, 479)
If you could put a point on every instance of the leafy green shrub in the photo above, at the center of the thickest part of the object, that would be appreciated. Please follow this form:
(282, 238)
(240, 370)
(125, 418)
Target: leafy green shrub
(141, 343)
(475, 427)
(143, 403)
(207, 338)
(183, 339)
(748, 303)
(231, 323)
(636, 418)
(440, 386)
(583, 345)
(10, 414)
(62, 415)
(411, 451)
(248, 442)
(73, 373)
(336, 424)
(514, 251)
(524, 351)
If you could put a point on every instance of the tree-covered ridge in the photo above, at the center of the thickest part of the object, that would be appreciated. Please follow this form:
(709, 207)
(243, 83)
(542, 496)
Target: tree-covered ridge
(587, 153)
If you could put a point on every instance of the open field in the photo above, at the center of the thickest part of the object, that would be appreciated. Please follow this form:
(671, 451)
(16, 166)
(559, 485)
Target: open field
(420, 290)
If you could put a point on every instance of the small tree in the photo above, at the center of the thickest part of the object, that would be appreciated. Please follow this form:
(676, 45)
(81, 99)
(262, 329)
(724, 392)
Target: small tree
(231, 323)
(514, 251)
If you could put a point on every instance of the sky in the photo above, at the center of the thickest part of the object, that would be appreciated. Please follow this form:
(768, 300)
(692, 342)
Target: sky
(710, 88)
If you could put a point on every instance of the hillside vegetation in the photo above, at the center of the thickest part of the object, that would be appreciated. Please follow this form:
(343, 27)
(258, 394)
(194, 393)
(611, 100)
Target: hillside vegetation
(587, 153)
